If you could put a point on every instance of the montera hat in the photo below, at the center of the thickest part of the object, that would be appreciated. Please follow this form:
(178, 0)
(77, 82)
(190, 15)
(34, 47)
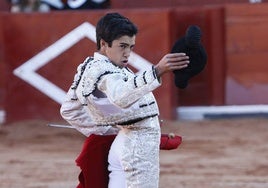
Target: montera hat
(191, 45)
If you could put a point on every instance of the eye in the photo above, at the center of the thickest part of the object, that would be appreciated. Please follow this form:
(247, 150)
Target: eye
(123, 46)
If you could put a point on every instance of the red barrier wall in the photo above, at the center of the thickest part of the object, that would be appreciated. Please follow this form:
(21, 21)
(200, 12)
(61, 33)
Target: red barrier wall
(234, 36)
(25, 35)
(247, 54)
(207, 88)
(2, 70)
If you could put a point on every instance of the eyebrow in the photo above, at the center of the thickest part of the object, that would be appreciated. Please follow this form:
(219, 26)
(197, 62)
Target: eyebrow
(126, 44)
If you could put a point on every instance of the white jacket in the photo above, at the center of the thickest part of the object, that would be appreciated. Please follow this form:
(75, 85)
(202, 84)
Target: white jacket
(104, 95)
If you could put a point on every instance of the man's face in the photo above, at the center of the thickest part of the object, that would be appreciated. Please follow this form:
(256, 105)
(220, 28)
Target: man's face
(120, 50)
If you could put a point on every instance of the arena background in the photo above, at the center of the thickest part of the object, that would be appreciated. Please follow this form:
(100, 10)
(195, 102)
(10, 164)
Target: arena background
(221, 115)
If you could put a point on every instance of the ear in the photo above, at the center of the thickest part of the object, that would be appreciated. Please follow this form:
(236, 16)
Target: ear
(103, 44)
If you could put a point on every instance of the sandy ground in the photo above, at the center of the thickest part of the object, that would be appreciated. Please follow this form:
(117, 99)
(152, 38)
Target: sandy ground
(214, 154)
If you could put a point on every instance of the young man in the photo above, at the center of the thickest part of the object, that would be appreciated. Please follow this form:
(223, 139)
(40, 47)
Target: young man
(106, 97)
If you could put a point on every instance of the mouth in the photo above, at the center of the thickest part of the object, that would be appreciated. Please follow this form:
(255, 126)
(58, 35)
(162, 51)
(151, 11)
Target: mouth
(125, 63)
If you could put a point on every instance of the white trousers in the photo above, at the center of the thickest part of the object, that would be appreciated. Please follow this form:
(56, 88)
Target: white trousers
(117, 177)
(134, 156)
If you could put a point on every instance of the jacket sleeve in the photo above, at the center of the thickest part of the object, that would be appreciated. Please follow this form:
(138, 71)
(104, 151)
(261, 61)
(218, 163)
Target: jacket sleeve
(124, 93)
(76, 115)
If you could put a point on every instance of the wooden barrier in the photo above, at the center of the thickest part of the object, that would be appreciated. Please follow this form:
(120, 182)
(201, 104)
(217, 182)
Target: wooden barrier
(27, 36)
(247, 54)
(207, 88)
(2, 70)
(234, 36)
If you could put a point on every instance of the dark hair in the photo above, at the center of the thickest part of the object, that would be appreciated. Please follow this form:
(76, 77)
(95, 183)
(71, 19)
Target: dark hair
(113, 26)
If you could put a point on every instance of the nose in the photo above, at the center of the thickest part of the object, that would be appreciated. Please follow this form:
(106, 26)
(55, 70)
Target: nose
(127, 52)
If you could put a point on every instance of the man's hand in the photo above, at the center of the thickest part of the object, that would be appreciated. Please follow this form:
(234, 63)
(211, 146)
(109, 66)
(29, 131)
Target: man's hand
(171, 62)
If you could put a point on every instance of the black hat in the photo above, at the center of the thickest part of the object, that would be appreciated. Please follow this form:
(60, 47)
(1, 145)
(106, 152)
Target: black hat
(191, 45)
